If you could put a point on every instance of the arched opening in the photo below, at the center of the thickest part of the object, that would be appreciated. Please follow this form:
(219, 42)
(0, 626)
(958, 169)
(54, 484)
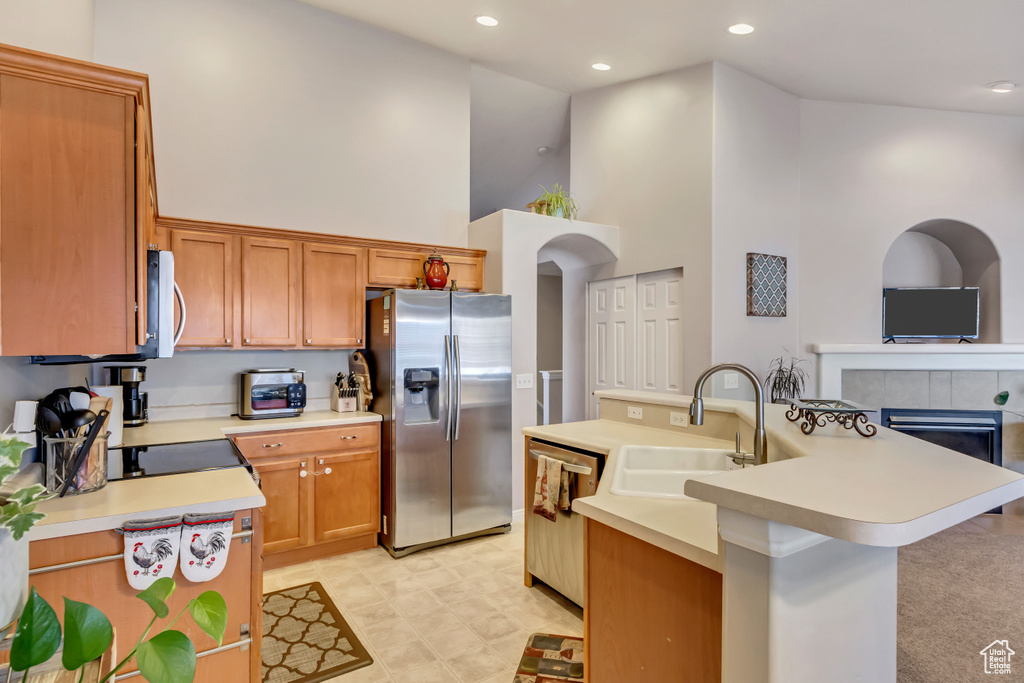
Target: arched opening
(949, 253)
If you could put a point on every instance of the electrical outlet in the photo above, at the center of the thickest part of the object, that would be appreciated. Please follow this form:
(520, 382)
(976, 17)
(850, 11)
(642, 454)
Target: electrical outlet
(731, 380)
(524, 381)
(635, 412)
(679, 419)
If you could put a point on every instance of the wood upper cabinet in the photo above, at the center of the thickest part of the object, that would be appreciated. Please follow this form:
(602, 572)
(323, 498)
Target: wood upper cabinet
(286, 486)
(333, 295)
(347, 495)
(270, 292)
(401, 267)
(72, 219)
(205, 270)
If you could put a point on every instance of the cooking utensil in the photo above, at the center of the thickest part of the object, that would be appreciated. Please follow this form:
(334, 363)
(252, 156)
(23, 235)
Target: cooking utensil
(83, 451)
(73, 420)
(49, 422)
(79, 400)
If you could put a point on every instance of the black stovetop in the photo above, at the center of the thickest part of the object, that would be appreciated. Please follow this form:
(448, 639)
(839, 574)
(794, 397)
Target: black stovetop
(130, 462)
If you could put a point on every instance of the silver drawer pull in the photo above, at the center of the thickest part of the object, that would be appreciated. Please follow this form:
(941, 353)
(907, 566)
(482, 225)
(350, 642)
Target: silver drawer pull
(567, 466)
(273, 445)
(349, 437)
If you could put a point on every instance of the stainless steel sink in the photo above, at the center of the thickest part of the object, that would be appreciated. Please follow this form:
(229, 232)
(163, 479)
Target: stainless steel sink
(661, 472)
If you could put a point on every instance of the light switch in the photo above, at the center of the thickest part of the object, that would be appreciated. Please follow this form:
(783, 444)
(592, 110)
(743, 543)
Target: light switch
(731, 380)
(524, 381)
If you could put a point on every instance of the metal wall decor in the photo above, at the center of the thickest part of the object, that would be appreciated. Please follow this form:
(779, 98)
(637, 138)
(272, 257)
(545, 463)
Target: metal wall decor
(766, 285)
(819, 412)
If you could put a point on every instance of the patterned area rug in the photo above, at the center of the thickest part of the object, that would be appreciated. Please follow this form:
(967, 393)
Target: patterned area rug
(305, 639)
(549, 658)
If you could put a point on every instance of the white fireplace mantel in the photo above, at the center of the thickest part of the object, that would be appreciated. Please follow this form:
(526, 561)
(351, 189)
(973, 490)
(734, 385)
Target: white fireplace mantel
(834, 358)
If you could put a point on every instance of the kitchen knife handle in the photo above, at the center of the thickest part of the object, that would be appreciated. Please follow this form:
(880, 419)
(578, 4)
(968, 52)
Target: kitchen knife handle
(458, 387)
(448, 368)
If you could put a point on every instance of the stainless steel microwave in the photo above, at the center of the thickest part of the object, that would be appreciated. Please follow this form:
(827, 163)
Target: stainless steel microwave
(275, 392)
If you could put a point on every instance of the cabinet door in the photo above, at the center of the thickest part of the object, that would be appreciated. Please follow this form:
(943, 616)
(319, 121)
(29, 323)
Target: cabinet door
(270, 292)
(400, 268)
(333, 295)
(204, 268)
(67, 220)
(286, 487)
(347, 495)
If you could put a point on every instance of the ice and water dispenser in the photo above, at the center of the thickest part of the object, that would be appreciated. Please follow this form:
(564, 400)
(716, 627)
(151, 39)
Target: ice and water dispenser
(421, 395)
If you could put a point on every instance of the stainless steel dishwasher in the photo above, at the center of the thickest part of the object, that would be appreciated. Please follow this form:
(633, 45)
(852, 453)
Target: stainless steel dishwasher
(554, 550)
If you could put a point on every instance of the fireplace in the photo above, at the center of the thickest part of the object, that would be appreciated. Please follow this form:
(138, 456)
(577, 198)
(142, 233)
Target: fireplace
(977, 433)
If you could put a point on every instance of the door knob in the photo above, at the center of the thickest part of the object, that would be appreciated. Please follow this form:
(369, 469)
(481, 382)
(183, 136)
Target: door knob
(327, 470)
(303, 474)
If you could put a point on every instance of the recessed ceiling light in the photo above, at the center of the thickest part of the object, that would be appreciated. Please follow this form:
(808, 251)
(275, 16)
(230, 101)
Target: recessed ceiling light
(601, 66)
(1001, 86)
(486, 21)
(741, 29)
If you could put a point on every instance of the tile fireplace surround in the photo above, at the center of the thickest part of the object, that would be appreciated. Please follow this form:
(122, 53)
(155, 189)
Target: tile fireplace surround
(937, 376)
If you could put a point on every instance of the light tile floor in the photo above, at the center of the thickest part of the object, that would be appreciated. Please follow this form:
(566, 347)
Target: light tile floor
(458, 613)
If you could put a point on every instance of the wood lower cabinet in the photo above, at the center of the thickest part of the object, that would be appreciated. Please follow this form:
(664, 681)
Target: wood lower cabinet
(205, 271)
(322, 487)
(103, 584)
(650, 615)
(401, 267)
(71, 221)
(333, 295)
(270, 292)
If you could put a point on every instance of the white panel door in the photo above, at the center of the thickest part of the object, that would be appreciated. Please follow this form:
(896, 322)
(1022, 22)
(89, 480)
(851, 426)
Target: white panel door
(611, 332)
(660, 331)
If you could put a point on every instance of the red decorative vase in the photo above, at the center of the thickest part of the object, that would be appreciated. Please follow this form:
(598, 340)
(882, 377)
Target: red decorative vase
(436, 271)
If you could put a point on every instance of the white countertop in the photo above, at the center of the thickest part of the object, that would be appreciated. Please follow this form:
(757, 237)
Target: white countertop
(148, 497)
(687, 528)
(205, 429)
(888, 490)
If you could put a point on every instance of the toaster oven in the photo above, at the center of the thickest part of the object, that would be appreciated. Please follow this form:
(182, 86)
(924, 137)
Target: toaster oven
(264, 393)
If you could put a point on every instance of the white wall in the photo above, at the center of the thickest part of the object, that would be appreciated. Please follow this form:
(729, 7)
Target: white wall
(642, 160)
(275, 113)
(919, 260)
(555, 169)
(870, 172)
(60, 27)
(756, 204)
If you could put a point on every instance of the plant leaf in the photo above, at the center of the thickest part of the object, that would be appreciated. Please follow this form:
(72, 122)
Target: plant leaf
(167, 657)
(22, 521)
(37, 636)
(87, 634)
(156, 595)
(1002, 397)
(210, 612)
(29, 494)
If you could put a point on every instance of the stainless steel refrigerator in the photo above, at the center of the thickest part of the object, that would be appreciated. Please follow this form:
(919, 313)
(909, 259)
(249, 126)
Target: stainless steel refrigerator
(441, 365)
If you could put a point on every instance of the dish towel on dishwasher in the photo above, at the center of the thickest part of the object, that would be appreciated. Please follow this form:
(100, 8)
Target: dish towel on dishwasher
(150, 549)
(205, 540)
(552, 490)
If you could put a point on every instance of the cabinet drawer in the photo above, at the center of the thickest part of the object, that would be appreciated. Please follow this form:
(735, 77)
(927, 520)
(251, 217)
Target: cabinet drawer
(305, 441)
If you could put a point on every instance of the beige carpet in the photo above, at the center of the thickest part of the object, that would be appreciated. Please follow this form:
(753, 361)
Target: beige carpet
(959, 591)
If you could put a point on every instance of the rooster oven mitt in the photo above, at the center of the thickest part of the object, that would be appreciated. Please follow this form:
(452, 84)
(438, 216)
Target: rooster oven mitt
(205, 540)
(151, 549)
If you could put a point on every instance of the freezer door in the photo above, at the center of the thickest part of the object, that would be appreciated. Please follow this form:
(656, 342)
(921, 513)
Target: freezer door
(421, 457)
(482, 403)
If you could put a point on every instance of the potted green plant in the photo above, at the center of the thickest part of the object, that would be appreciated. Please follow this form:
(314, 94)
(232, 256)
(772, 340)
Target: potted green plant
(555, 202)
(17, 515)
(786, 379)
(167, 657)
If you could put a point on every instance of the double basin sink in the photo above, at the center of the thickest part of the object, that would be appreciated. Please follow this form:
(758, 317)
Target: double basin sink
(662, 472)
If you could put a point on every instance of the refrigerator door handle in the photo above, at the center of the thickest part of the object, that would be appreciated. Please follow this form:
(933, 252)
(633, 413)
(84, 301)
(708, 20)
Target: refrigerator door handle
(458, 386)
(448, 379)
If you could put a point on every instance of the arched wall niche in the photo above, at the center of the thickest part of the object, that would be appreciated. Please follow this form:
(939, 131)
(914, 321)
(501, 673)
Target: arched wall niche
(949, 253)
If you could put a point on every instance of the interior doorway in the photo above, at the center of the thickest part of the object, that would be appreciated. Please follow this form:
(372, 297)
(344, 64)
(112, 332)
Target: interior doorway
(549, 343)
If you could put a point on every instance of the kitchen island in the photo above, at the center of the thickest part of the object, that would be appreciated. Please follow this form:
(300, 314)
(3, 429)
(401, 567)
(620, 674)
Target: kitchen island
(808, 541)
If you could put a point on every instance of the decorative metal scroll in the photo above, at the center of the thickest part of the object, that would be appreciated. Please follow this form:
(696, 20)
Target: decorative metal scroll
(820, 412)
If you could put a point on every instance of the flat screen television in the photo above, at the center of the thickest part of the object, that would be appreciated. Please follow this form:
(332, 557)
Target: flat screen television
(930, 312)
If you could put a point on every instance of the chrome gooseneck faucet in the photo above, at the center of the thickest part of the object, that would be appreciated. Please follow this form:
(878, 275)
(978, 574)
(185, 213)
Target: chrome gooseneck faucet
(697, 406)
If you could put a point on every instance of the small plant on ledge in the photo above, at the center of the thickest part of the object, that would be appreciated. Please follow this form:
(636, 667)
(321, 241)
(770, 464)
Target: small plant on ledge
(786, 379)
(554, 202)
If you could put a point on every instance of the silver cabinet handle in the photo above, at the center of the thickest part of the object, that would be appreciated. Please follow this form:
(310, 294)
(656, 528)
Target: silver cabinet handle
(273, 445)
(303, 474)
(181, 321)
(248, 341)
(309, 341)
(458, 386)
(227, 340)
(345, 438)
(448, 368)
(567, 466)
